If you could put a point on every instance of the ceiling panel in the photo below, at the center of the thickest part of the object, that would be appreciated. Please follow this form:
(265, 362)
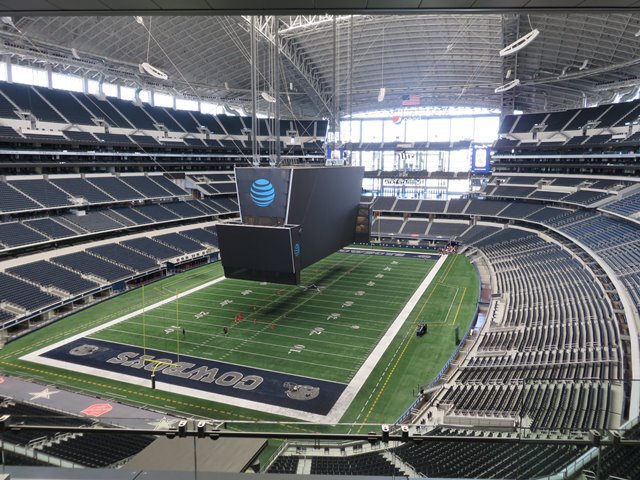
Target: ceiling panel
(77, 4)
(446, 59)
(217, 7)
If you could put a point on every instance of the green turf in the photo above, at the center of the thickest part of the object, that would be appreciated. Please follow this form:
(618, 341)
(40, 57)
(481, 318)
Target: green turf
(335, 354)
(412, 362)
(374, 246)
(326, 334)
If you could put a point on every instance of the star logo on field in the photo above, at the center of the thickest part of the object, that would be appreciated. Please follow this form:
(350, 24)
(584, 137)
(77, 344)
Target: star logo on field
(163, 424)
(45, 394)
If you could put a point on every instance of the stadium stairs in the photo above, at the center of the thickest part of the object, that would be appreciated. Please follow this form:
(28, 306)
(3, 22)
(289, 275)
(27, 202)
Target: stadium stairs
(60, 449)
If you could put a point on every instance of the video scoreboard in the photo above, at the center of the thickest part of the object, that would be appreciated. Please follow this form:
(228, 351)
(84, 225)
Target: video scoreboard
(290, 218)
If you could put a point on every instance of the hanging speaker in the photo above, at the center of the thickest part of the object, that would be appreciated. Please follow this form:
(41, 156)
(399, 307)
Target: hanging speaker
(381, 94)
(520, 43)
(507, 86)
(268, 98)
(153, 71)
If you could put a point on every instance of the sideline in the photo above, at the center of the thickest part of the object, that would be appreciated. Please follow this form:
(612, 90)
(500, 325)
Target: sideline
(334, 415)
(374, 357)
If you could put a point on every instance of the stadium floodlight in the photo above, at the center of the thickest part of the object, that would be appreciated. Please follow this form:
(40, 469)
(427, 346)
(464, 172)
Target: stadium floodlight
(520, 43)
(153, 71)
(507, 86)
(268, 98)
(381, 94)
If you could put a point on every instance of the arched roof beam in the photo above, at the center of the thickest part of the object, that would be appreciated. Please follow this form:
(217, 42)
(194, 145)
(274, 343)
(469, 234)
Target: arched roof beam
(295, 56)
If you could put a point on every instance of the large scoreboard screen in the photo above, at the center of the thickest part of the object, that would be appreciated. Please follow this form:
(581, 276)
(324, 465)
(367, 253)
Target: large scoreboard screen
(263, 193)
(266, 254)
(321, 202)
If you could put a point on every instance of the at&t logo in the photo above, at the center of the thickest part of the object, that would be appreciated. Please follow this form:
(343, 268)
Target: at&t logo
(262, 192)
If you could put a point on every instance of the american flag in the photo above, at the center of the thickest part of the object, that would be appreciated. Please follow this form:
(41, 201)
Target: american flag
(410, 100)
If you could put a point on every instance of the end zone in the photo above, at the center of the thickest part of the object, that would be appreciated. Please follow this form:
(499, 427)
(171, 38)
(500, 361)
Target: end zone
(304, 398)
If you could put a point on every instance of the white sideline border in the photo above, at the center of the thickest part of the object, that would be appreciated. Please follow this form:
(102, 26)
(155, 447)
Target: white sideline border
(334, 415)
(376, 354)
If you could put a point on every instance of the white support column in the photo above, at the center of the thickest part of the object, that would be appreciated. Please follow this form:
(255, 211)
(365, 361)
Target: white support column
(7, 60)
(49, 76)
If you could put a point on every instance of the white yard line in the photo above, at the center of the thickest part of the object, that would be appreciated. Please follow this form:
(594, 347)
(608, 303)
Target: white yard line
(446, 318)
(370, 363)
(118, 320)
(333, 416)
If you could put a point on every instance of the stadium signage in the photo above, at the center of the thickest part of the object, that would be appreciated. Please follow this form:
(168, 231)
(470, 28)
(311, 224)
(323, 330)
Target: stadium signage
(262, 192)
(187, 370)
(404, 182)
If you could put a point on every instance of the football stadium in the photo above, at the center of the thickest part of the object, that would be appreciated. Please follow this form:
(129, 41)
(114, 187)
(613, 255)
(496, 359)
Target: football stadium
(359, 238)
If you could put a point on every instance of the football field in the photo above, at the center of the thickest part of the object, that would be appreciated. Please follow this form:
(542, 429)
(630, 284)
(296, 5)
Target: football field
(325, 333)
(311, 352)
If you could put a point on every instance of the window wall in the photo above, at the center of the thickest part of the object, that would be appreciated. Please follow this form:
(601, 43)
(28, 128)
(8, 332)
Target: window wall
(476, 128)
(30, 76)
(63, 81)
(443, 129)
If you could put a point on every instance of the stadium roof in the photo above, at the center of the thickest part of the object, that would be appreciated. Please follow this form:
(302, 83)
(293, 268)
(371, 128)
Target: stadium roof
(287, 7)
(447, 59)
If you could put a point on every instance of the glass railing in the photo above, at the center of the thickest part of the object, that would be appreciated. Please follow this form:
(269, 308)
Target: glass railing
(32, 445)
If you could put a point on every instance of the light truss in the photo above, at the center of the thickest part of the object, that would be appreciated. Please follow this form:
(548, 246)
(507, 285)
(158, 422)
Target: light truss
(292, 25)
(289, 50)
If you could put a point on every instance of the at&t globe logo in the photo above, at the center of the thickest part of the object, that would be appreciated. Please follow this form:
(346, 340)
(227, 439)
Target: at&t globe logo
(262, 192)
(296, 249)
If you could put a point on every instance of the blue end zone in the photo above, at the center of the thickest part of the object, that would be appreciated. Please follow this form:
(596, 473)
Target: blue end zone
(263, 386)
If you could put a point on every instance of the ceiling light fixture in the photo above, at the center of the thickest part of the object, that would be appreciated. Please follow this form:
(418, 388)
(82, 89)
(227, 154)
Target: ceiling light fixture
(268, 98)
(139, 19)
(153, 71)
(507, 86)
(520, 43)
